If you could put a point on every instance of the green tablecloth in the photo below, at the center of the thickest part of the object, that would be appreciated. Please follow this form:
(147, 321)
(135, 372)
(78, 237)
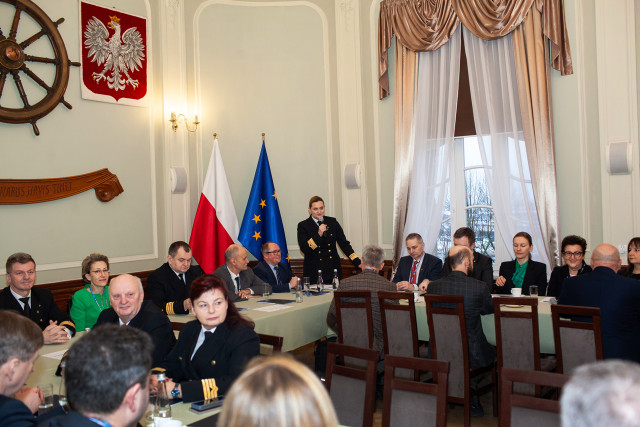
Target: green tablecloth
(488, 325)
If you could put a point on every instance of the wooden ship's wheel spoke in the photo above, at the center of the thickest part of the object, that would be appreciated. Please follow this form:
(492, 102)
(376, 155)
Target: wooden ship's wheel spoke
(13, 56)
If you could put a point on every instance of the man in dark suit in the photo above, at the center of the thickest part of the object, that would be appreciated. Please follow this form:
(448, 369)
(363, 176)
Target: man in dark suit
(369, 279)
(618, 298)
(37, 304)
(20, 340)
(274, 272)
(417, 268)
(477, 301)
(482, 265)
(107, 376)
(168, 286)
(239, 278)
(317, 239)
(129, 308)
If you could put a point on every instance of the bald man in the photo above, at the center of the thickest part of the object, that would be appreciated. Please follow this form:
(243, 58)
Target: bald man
(477, 301)
(618, 298)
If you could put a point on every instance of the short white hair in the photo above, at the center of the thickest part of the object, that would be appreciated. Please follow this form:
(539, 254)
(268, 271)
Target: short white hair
(602, 393)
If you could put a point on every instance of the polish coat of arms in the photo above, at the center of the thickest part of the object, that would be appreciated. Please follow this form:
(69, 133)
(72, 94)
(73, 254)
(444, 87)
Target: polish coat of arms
(113, 55)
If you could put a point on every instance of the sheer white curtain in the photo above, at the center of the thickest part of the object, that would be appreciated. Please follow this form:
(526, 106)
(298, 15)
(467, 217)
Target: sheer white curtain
(496, 111)
(434, 121)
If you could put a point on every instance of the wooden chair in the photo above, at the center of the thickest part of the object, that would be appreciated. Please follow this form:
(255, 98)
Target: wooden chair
(352, 389)
(523, 410)
(177, 326)
(448, 340)
(410, 403)
(354, 318)
(518, 338)
(271, 340)
(399, 327)
(576, 342)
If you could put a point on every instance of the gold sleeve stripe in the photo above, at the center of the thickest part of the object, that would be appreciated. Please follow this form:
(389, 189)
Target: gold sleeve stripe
(353, 256)
(209, 388)
(169, 308)
(68, 323)
(312, 244)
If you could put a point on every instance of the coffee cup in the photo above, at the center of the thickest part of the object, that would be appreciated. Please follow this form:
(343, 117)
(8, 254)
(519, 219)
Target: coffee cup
(516, 292)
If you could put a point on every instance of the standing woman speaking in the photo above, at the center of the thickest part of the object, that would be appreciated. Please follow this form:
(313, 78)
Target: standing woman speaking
(522, 272)
(317, 238)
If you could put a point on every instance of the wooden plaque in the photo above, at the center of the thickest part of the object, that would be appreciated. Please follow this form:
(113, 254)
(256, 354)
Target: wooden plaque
(25, 191)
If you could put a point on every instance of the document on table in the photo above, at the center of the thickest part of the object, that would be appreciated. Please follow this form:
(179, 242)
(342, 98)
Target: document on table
(55, 355)
(273, 307)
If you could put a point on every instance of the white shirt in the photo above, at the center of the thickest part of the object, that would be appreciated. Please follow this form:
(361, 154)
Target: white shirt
(233, 278)
(18, 296)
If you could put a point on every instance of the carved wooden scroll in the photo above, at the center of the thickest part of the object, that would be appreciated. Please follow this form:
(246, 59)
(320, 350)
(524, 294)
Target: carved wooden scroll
(24, 191)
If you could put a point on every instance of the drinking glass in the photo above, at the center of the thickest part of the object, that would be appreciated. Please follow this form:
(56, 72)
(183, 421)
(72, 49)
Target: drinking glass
(533, 291)
(47, 404)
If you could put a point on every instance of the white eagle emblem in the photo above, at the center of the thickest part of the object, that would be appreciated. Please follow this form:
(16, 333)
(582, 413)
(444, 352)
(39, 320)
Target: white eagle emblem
(120, 57)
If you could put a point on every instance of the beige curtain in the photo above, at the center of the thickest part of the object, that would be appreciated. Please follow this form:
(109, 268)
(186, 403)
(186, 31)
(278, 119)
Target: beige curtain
(405, 95)
(534, 92)
(428, 24)
(418, 25)
(539, 28)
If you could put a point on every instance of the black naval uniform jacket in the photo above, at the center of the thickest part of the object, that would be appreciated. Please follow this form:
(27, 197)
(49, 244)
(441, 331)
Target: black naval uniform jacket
(320, 253)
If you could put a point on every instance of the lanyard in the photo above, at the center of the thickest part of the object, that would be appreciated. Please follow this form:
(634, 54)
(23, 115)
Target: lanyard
(100, 307)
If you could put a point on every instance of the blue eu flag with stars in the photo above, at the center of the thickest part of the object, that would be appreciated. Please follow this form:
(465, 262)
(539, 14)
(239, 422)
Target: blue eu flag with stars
(262, 221)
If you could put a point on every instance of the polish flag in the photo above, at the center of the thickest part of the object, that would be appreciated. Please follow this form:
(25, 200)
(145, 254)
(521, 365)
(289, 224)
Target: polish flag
(216, 224)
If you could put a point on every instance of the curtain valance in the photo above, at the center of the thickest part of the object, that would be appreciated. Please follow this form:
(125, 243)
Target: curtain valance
(424, 25)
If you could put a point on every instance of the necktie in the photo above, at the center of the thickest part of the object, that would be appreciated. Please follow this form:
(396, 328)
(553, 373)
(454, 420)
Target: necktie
(207, 336)
(278, 277)
(27, 309)
(181, 277)
(412, 277)
(237, 283)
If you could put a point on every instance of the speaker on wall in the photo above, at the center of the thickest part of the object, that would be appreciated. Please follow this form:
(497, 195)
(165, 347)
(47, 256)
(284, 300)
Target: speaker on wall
(619, 158)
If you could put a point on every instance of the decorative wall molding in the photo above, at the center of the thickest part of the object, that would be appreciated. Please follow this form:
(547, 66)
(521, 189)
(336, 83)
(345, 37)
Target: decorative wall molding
(331, 196)
(618, 114)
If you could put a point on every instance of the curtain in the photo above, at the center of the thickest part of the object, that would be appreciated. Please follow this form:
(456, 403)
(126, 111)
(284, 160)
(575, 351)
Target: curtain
(534, 93)
(405, 94)
(501, 141)
(433, 127)
(425, 25)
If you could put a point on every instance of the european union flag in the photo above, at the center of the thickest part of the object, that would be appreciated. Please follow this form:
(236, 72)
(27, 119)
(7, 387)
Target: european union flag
(262, 221)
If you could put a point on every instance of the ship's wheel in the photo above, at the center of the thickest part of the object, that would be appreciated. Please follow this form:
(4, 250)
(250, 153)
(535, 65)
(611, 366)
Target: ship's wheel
(15, 61)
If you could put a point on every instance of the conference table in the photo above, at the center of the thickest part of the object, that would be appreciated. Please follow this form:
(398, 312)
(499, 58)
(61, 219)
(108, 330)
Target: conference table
(298, 323)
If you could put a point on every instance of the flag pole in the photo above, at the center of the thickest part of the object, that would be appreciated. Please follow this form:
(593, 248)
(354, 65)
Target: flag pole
(215, 135)
(262, 136)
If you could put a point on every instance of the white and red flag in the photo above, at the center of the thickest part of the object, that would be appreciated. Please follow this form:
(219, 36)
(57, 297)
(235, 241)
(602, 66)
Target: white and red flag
(216, 224)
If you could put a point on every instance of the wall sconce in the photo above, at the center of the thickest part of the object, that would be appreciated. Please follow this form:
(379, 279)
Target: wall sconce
(176, 119)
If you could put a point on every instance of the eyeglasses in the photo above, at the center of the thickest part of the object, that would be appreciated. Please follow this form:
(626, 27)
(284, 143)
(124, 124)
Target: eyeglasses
(96, 272)
(636, 249)
(274, 252)
(573, 254)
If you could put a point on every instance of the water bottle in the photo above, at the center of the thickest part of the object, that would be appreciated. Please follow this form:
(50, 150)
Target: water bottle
(320, 282)
(62, 391)
(336, 281)
(162, 408)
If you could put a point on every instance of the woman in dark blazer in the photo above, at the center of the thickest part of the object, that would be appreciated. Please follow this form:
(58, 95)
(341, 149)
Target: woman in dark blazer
(633, 260)
(573, 250)
(213, 350)
(523, 271)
